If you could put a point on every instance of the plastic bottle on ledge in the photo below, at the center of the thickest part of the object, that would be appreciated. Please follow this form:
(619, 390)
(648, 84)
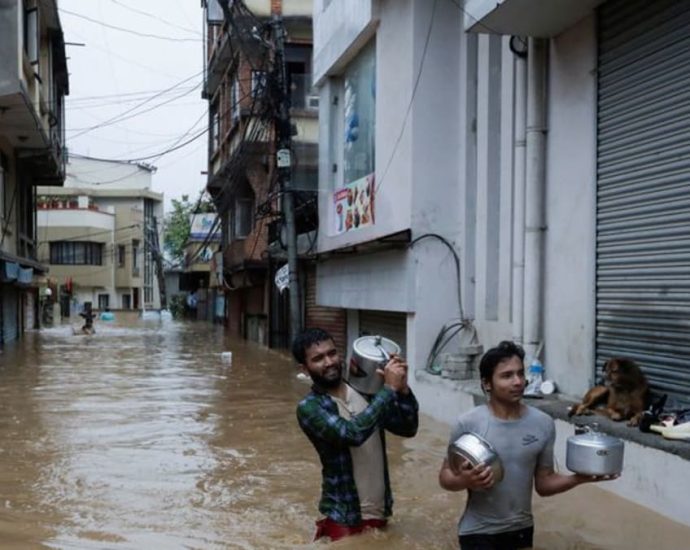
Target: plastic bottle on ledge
(535, 377)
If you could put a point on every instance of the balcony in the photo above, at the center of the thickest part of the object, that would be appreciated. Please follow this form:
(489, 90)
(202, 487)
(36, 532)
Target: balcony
(220, 58)
(537, 18)
(33, 82)
(84, 219)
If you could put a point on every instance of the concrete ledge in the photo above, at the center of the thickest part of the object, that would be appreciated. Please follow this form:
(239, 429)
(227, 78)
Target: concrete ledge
(557, 406)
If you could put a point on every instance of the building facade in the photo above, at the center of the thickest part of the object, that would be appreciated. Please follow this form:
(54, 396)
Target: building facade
(543, 158)
(33, 84)
(100, 235)
(240, 79)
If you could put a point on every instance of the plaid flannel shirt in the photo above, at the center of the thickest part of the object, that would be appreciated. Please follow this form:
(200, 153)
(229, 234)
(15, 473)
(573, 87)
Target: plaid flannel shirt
(332, 436)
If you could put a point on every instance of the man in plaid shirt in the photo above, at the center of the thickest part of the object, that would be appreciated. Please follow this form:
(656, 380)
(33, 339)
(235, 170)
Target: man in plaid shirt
(347, 432)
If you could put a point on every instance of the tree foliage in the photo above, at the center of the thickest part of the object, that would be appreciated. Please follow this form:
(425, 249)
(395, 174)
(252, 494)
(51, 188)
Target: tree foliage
(178, 227)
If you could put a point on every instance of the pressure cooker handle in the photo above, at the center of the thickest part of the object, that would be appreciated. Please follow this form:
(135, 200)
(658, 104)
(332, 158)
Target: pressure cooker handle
(384, 353)
(584, 428)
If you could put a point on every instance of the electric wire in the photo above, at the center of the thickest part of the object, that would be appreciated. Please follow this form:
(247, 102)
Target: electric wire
(130, 31)
(124, 115)
(156, 18)
(412, 97)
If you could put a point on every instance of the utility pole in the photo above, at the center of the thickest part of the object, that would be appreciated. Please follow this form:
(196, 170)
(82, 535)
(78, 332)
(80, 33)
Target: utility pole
(284, 167)
(158, 257)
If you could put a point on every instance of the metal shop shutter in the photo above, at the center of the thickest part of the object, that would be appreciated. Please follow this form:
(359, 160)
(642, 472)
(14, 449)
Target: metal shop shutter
(390, 324)
(332, 319)
(643, 190)
(10, 314)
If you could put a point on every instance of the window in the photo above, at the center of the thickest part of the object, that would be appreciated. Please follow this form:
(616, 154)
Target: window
(299, 83)
(31, 35)
(126, 301)
(243, 217)
(121, 254)
(76, 253)
(103, 301)
(235, 100)
(214, 13)
(241, 220)
(359, 115)
(215, 126)
(135, 258)
(258, 83)
(3, 185)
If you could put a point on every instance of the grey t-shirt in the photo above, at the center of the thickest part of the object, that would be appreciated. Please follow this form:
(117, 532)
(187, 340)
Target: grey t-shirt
(523, 445)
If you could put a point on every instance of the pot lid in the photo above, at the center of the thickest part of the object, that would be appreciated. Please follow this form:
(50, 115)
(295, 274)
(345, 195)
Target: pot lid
(596, 440)
(370, 347)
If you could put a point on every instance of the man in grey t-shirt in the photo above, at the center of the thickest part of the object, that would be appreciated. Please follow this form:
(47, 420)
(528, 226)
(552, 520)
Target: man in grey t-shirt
(499, 515)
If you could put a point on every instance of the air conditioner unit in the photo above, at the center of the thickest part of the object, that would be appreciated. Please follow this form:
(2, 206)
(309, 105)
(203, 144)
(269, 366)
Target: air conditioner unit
(313, 102)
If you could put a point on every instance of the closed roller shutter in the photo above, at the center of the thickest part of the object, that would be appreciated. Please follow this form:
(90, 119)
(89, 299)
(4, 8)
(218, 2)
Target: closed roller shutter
(10, 314)
(643, 190)
(392, 325)
(331, 319)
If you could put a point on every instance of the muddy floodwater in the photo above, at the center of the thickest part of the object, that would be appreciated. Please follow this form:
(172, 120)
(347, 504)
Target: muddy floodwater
(139, 437)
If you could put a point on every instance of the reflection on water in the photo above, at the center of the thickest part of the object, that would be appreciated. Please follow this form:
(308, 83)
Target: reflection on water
(139, 437)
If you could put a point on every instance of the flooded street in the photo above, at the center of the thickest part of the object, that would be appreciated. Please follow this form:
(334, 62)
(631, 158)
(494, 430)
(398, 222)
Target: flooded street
(139, 437)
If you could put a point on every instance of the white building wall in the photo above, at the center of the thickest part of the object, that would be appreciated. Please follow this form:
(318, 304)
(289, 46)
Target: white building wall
(86, 172)
(570, 242)
(393, 155)
(656, 479)
(341, 27)
(75, 218)
(437, 186)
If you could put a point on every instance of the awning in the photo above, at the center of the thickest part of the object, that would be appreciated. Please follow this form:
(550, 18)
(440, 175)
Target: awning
(23, 262)
(399, 240)
(537, 18)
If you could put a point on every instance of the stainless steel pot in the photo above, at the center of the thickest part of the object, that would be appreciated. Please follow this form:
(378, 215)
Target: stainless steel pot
(590, 452)
(369, 353)
(475, 449)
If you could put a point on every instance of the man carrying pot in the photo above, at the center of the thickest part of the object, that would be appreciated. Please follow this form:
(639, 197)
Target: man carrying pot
(347, 431)
(499, 514)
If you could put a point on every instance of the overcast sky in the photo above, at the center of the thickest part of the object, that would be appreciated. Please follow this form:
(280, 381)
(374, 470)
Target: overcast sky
(119, 74)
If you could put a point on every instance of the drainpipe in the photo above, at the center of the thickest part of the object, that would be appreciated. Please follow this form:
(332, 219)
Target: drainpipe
(534, 192)
(519, 148)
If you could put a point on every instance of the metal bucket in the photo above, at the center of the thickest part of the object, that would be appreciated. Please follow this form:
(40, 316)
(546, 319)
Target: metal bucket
(369, 353)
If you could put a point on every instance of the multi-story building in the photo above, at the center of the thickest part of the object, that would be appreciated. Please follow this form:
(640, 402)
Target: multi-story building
(242, 179)
(202, 271)
(100, 235)
(522, 165)
(33, 84)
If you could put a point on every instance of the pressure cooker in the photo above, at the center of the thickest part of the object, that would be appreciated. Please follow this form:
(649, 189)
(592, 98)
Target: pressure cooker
(593, 453)
(369, 354)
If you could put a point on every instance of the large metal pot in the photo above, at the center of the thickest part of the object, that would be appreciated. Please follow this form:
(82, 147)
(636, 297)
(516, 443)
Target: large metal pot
(590, 452)
(369, 353)
(475, 449)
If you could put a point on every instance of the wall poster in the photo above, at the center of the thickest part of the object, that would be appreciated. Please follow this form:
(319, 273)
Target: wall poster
(354, 205)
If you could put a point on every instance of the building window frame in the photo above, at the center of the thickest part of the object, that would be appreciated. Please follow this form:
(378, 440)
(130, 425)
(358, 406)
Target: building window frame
(76, 253)
(353, 118)
(243, 217)
(135, 257)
